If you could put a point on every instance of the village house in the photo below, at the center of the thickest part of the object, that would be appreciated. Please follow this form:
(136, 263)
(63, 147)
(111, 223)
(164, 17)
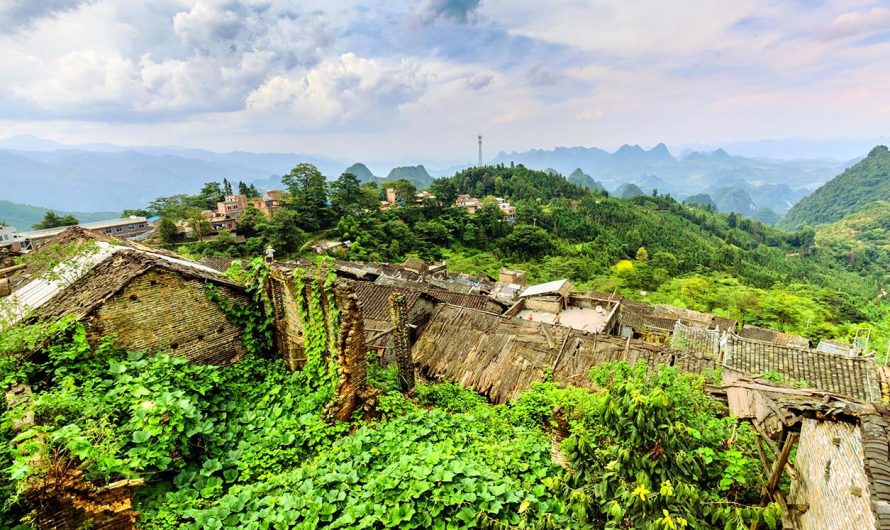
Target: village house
(327, 246)
(146, 299)
(471, 204)
(840, 473)
(271, 201)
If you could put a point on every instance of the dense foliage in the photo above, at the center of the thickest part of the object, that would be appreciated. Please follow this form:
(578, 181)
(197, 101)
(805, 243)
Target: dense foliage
(247, 446)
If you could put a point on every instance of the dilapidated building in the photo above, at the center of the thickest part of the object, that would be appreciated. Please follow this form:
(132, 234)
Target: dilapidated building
(146, 300)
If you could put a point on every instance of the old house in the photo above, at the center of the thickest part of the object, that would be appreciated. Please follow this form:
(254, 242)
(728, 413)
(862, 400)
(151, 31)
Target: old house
(776, 337)
(146, 299)
(554, 303)
(501, 357)
(656, 322)
(375, 307)
(840, 472)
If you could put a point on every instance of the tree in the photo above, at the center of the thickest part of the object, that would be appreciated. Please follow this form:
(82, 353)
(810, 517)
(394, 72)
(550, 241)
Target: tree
(282, 231)
(243, 189)
(54, 220)
(308, 190)
(527, 241)
(227, 186)
(444, 190)
(345, 194)
(642, 254)
(250, 222)
(199, 224)
(405, 191)
(167, 231)
(211, 193)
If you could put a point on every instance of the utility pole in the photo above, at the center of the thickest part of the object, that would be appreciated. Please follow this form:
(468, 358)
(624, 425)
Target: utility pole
(480, 150)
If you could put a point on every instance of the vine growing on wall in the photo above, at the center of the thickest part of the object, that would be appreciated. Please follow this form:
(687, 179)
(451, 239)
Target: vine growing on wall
(255, 318)
(320, 327)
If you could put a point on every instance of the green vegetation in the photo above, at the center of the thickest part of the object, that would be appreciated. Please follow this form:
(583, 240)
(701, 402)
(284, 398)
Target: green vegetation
(865, 183)
(248, 446)
(53, 220)
(826, 285)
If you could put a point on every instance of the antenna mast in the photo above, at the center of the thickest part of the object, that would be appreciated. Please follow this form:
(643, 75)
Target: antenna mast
(480, 150)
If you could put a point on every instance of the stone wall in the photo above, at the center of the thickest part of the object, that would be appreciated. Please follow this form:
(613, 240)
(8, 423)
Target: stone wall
(830, 461)
(166, 311)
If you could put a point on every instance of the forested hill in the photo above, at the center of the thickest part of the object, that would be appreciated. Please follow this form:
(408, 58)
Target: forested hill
(23, 216)
(865, 183)
(517, 183)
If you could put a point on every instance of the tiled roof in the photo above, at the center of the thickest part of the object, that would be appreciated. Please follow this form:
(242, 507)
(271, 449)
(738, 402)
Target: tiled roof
(374, 299)
(852, 377)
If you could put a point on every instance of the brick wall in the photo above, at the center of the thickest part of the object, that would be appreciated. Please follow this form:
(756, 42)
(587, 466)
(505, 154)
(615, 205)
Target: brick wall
(832, 478)
(163, 310)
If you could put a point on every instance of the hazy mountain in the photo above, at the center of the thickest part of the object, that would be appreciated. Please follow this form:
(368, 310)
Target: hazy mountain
(766, 216)
(24, 216)
(580, 178)
(693, 173)
(734, 200)
(626, 191)
(701, 199)
(417, 175)
(865, 183)
(361, 171)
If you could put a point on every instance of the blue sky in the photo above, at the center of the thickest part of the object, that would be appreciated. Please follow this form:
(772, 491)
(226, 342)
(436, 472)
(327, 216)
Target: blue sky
(419, 79)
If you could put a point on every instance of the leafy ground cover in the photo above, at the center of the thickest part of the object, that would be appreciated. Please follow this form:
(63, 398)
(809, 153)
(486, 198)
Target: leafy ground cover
(247, 446)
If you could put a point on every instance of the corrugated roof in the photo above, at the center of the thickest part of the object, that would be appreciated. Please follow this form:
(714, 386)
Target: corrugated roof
(544, 288)
(96, 225)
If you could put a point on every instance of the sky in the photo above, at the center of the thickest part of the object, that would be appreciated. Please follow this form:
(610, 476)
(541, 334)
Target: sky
(407, 79)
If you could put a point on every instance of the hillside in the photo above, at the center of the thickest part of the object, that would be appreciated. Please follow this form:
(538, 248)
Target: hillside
(416, 175)
(861, 240)
(865, 183)
(23, 216)
(626, 191)
(580, 178)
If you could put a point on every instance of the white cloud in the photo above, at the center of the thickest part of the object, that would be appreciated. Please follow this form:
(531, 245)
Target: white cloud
(413, 77)
(858, 23)
(338, 90)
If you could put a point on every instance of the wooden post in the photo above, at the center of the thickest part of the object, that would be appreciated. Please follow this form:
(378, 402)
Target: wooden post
(402, 343)
(778, 467)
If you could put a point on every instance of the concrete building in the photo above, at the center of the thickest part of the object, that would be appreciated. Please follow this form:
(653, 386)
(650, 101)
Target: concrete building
(10, 239)
(124, 228)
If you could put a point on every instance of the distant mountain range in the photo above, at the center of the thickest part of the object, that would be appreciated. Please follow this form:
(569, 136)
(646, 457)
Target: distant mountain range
(865, 183)
(733, 183)
(104, 177)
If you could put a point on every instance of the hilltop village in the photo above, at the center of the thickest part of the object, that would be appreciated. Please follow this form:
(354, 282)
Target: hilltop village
(496, 336)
